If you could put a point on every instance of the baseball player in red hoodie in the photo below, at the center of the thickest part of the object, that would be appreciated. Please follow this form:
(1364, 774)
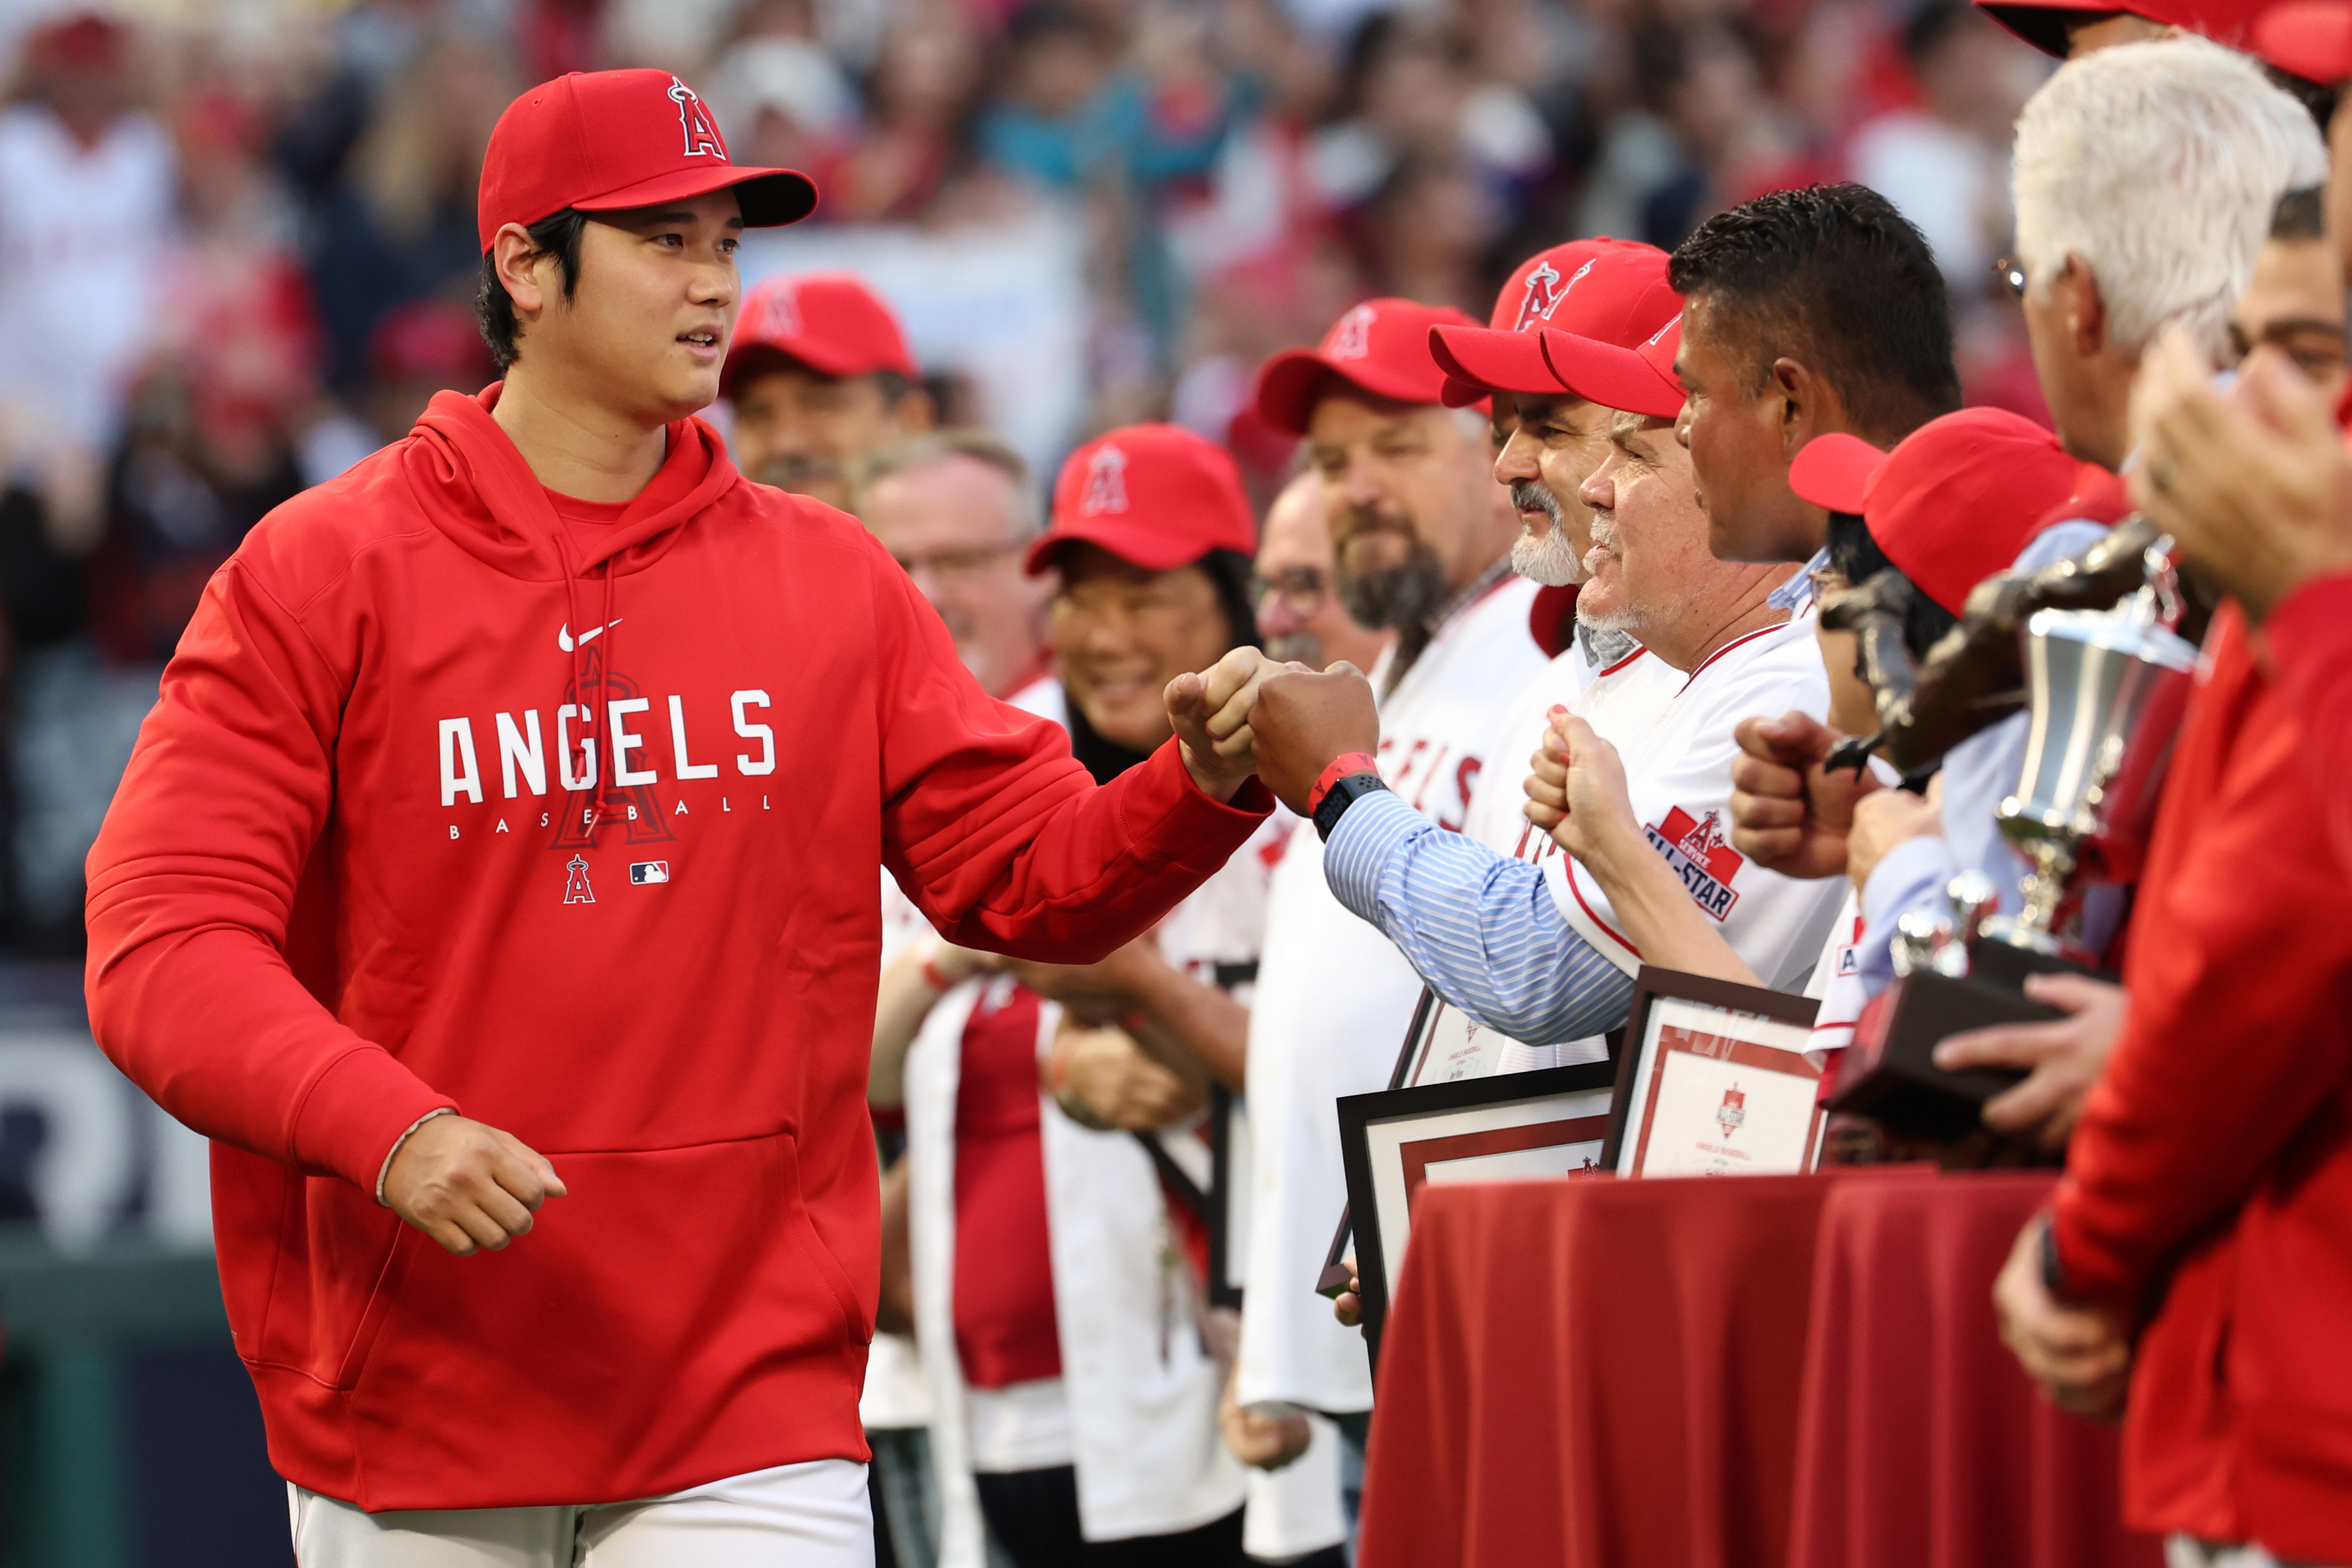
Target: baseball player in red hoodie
(505, 835)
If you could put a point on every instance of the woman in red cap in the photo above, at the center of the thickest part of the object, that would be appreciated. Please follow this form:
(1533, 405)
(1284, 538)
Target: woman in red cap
(1075, 1398)
(430, 912)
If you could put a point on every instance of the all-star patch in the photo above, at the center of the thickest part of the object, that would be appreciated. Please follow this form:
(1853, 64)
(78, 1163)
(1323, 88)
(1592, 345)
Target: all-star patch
(1696, 848)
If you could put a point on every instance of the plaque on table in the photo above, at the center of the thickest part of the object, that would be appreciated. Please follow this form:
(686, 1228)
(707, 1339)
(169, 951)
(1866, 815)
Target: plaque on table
(1515, 1126)
(1714, 1080)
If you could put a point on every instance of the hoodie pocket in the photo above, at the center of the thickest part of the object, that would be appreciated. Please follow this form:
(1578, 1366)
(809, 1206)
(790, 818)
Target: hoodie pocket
(669, 1289)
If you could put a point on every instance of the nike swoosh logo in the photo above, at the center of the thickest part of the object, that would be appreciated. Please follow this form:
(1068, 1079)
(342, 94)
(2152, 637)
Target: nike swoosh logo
(564, 634)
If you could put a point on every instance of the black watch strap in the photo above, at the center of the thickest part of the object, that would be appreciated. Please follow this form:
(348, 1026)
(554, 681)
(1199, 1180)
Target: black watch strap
(1340, 797)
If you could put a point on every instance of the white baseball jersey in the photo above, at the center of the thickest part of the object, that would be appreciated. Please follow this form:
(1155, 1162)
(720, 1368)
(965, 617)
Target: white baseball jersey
(1623, 701)
(1836, 983)
(1680, 781)
(1335, 997)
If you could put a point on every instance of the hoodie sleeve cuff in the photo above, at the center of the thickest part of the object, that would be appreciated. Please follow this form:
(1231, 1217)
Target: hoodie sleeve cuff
(1250, 805)
(358, 1112)
(2074, 1266)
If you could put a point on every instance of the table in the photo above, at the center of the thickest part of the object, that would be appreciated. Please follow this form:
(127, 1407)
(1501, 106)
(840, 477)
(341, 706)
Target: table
(1718, 1373)
(1918, 1444)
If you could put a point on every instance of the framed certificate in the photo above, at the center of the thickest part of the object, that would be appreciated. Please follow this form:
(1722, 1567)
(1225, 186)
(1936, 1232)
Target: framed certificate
(1517, 1127)
(1449, 1046)
(1713, 1082)
(1229, 1193)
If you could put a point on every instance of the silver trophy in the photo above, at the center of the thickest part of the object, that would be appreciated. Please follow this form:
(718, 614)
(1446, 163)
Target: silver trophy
(2105, 690)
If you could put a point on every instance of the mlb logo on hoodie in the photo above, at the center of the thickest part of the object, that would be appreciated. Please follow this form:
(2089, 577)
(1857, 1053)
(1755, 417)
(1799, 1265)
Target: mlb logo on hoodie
(644, 872)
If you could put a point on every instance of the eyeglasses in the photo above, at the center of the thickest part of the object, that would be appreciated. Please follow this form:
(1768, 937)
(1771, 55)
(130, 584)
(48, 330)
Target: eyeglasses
(2010, 273)
(969, 561)
(1302, 590)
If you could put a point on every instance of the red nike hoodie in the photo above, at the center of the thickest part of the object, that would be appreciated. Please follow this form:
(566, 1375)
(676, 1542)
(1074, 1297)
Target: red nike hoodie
(574, 828)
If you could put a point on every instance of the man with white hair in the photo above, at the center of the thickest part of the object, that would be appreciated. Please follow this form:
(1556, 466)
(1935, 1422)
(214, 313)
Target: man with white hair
(954, 507)
(2145, 179)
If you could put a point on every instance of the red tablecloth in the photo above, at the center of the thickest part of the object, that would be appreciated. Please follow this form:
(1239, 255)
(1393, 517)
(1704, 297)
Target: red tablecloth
(1922, 1445)
(1607, 1374)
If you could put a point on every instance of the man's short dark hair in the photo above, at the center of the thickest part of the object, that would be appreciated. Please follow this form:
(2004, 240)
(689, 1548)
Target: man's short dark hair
(1834, 278)
(557, 235)
(2301, 215)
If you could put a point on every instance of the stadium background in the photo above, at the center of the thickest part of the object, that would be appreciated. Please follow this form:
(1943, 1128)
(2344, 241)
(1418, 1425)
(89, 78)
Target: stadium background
(238, 253)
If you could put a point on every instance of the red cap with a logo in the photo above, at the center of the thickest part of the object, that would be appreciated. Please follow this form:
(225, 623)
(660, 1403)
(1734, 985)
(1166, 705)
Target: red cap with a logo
(1614, 291)
(1639, 379)
(608, 141)
(830, 322)
(1156, 496)
(1381, 347)
(1957, 500)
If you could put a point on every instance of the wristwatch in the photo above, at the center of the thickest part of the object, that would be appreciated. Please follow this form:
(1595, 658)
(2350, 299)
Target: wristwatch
(1344, 792)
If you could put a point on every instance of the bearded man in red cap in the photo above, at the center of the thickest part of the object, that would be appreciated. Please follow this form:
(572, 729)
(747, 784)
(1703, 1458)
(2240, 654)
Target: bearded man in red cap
(418, 977)
(1420, 540)
(819, 375)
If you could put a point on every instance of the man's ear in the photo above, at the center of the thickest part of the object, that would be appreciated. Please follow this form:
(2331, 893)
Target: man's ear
(1808, 406)
(2086, 309)
(524, 271)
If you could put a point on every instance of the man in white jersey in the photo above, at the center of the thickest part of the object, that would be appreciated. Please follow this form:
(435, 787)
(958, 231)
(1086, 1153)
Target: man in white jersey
(1542, 953)
(1421, 537)
(1551, 439)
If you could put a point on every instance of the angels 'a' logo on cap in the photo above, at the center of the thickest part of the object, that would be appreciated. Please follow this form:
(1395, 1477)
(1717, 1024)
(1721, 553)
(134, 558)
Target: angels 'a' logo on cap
(1672, 321)
(702, 138)
(1545, 291)
(1352, 338)
(1106, 483)
(779, 313)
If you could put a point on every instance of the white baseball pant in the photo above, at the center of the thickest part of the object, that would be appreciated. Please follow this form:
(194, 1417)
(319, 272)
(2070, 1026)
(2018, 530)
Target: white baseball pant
(812, 1515)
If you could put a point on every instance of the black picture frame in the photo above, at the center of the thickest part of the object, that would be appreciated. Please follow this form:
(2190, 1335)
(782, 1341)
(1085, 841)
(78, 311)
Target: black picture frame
(1331, 1281)
(1431, 1108)
(1653, 985)
(1228, 1196)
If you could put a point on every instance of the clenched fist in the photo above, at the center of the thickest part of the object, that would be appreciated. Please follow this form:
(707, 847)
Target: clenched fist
(467, 1186)
(1304, 722)
(1211, 714)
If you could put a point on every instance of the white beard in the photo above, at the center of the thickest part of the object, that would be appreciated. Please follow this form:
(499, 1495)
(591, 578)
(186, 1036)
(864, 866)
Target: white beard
(1550, 560)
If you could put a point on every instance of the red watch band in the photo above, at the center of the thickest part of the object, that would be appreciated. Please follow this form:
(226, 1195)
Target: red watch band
(1353, 762)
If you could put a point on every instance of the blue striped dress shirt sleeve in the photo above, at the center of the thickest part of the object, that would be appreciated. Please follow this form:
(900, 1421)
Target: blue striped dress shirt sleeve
(1480, 927)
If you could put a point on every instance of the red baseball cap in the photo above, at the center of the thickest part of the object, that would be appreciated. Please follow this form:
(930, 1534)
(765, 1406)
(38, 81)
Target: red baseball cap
(1155, 495)
(830, 322)
(1955, 502)
(1639, 379)
(1613, 289)
(2309, 38)
(607, 141)
(1380, 346)
(2042, 23)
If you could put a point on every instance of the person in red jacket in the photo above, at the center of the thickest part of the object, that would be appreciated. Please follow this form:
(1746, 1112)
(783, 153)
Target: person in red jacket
(2258, 493)
(505, 837)
(2196, 1265)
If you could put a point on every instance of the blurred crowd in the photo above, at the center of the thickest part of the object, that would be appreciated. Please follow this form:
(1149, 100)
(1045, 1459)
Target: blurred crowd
(237, 252)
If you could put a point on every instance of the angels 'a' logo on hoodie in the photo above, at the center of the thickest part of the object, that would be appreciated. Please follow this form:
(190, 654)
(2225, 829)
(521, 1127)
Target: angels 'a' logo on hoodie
(593, 802)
